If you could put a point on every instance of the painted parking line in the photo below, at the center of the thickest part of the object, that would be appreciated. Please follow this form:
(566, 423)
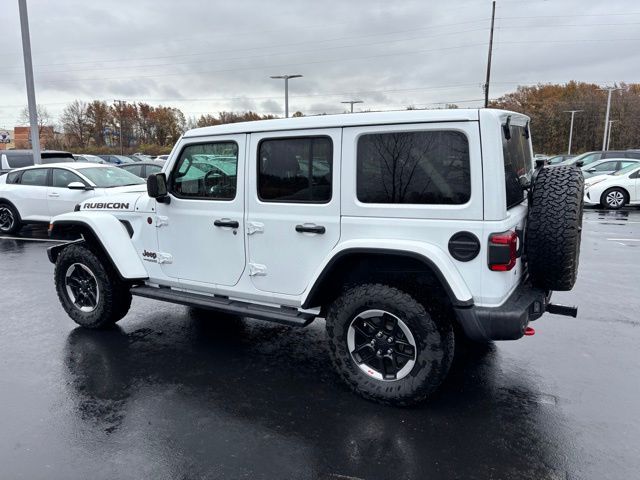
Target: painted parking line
(26, 239)
(624, 239)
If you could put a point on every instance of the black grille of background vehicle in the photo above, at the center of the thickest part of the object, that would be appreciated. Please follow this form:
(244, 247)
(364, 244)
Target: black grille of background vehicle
(464, 246)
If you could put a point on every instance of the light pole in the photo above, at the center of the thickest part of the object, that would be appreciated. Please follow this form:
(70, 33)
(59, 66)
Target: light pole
(286, 90)
(606, 118)
(28, 73)
(120, 111)
(611, 122)
(573, 113)
(351, 102)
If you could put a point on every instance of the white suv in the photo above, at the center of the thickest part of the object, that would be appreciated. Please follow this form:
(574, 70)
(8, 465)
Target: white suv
(404, 230)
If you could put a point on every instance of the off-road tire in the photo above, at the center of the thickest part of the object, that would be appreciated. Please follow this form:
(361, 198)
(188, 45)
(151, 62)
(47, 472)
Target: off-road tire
(433, 335)
(114, 299)
(17, 222)
(554, 228)
(609, 206)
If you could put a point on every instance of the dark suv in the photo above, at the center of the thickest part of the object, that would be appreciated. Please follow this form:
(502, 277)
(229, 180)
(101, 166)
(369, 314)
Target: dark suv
(10, 159)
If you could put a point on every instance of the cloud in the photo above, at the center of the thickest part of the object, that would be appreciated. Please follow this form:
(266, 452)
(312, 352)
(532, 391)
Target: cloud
(209, 56)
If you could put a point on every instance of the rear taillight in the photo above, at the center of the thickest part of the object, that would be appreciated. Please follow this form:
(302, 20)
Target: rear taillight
(503, 251)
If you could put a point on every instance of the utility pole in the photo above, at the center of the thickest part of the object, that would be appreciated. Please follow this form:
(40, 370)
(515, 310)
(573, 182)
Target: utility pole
(606, 118)
(34, 131)
(486, 84)
(286, 90)
(351, 102)
(120, 111)
(573, 113)
(611, 122)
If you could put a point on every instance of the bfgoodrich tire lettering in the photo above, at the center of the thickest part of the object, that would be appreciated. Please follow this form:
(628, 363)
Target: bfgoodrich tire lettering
(433, 337)
(113, 298)
(554, 228)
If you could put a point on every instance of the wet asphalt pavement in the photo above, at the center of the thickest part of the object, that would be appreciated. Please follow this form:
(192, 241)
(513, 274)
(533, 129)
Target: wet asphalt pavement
(170, 395)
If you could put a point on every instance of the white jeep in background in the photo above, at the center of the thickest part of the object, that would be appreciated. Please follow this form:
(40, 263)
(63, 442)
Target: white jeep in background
(407, 231)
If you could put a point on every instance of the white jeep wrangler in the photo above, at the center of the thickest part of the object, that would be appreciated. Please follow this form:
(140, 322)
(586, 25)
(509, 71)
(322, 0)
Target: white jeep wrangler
(404, 230)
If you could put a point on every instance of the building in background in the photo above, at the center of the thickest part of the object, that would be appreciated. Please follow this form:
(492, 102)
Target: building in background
(20, 138)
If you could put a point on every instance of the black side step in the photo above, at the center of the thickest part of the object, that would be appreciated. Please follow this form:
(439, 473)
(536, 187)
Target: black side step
(286, 316)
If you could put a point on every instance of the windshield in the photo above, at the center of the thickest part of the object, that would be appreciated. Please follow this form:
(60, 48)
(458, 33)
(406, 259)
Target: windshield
(108, 177)
(627, 169)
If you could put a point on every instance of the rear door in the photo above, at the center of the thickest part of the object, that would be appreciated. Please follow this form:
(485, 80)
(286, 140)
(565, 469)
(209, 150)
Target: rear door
(60, 197)
(293, 210)
(30, 196)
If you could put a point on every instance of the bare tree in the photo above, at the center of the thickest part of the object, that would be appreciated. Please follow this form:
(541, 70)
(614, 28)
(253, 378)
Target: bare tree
(76, 124)
(44, 118)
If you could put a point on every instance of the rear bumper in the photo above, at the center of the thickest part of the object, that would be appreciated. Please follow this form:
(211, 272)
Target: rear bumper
(509, 320)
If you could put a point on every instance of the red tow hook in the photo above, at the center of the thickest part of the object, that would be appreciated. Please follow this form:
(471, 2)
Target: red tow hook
(529, 332)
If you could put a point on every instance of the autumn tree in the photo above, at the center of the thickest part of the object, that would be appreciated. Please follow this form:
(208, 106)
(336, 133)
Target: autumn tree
(99, 118)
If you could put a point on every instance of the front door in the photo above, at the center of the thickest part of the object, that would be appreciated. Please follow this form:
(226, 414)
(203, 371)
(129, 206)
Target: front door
(293, 211)
(201, 230)
(61, 198)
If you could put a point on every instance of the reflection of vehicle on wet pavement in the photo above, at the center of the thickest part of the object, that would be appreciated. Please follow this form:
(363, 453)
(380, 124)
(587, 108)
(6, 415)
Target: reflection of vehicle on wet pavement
(379, 223)
(616, 190)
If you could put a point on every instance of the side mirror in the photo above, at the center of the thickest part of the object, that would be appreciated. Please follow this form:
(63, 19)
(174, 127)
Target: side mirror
(580, 163)
(591, 170)
(79, 186)
(157, 186)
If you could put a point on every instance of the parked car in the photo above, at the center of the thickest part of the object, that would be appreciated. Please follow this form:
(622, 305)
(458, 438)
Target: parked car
(616, 190)
(293, 219)
(590, 157)
(85, 157)
(36, 194)
(10, 159)
(607, 166)
(143, 157)
(116, 159)
(555, 159)
(142, 169)
(164, 158)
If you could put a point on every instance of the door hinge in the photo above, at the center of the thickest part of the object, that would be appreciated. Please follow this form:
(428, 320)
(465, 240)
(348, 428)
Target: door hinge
(164, 258)
(254, 227)
(257, 270)
(161, 221)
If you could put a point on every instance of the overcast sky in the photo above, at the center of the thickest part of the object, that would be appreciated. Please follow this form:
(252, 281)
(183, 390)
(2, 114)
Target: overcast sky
(204, 56)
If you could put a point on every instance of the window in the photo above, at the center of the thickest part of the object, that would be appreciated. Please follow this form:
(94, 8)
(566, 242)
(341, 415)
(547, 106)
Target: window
(518, 163)
(427, 167)
(626, 164)
(133, 168)
(633, 154)
(107, 177)
(13, 177)
(206, 171)
(295, 169)
(151, 169)
(605, 167)
(62, 178)
(19, 160)
(35, 177)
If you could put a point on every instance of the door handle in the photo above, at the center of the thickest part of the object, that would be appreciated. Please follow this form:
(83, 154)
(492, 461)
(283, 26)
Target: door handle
(54, 194)
(310, 229)
(226, 223)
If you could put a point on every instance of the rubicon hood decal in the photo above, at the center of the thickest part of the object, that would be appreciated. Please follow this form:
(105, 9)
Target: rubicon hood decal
(106, 206)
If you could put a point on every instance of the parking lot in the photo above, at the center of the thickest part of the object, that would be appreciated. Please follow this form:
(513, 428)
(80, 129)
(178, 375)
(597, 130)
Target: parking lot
(171, 395)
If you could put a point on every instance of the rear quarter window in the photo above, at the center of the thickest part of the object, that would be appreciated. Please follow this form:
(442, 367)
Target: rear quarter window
(20, 160)
(417, 167)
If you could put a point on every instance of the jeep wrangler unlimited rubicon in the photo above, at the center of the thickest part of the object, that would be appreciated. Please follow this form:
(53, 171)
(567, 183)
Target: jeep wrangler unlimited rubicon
(406, 231)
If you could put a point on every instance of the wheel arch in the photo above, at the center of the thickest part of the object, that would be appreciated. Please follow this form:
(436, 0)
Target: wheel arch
(108, 236)
(373, 260)
(10, 203)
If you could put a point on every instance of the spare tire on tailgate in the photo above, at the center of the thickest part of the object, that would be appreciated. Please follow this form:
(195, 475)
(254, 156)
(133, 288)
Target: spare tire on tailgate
(554, 227)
